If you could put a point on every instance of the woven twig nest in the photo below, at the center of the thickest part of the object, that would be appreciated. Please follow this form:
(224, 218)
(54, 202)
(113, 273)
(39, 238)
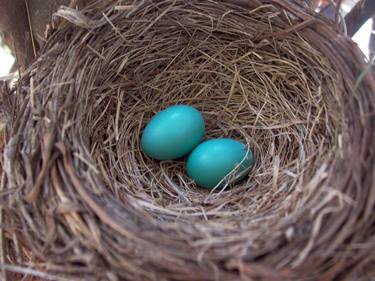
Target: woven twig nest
(82, 201)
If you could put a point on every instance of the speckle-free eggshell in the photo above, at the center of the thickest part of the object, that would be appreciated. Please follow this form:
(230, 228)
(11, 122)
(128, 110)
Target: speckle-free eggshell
(173, 132)
(214, 159)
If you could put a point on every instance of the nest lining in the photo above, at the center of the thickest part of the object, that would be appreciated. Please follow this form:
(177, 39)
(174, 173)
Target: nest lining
(80, 175)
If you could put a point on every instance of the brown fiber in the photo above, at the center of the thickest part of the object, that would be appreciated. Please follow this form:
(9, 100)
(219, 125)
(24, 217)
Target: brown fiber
(80, 201)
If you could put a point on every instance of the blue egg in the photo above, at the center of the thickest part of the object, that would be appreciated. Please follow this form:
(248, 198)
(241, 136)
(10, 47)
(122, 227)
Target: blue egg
(173, 132)
(211, 161)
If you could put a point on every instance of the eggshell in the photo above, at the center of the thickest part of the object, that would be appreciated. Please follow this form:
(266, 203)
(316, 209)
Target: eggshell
(173, 132)
(211, 161)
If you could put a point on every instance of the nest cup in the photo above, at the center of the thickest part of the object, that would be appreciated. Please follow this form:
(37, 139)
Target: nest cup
(81, 200)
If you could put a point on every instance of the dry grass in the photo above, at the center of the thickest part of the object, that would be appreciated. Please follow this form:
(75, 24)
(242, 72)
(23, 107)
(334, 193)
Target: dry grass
(83, 199)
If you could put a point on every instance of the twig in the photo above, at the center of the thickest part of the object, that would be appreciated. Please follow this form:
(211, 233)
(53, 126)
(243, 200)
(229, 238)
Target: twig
(372, 39)
(2, 245)
(361, 12)
(30, 27)
(337, 12)
(32, 272)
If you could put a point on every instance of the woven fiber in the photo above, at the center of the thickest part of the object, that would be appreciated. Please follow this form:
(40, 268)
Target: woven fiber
(81, 201)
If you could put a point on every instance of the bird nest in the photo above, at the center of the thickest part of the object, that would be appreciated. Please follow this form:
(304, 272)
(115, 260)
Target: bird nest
(82, 201)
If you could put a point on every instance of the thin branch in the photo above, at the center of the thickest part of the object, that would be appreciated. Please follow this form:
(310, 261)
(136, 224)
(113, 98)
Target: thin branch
(337, 11)
(372, 39)
(30, 27)
(2, 239)
(361, 12)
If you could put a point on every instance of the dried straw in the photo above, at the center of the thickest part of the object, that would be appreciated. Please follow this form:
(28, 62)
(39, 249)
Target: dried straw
(82, 201)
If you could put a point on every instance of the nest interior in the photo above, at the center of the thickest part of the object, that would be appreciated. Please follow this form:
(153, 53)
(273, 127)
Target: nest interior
(87, 202)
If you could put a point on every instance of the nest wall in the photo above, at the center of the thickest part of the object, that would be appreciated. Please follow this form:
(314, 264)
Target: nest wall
(81, 200)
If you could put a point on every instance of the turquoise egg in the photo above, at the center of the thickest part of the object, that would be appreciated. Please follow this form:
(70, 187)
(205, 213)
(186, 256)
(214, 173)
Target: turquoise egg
(173, 132)
(214, 159)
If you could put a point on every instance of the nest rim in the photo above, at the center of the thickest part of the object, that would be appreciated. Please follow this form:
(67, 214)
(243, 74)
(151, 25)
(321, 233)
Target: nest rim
(110, 203)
